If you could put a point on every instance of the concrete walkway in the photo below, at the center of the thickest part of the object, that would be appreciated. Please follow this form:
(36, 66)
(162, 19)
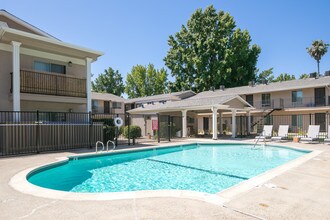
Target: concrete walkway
(300, 193)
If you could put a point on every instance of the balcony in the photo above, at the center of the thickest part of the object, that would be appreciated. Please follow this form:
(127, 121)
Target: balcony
(51, 84)
(288, 103)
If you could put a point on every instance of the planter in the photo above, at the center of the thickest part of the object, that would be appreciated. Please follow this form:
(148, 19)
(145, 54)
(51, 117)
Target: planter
(296, 139)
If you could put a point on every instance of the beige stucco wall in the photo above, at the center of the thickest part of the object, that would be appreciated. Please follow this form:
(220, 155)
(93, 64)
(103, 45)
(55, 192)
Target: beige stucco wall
(52, 106)
(100, 107)
(5, 81)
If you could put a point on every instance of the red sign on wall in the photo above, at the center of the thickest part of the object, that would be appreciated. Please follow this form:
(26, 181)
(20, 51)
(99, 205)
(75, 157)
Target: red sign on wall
(154, 125)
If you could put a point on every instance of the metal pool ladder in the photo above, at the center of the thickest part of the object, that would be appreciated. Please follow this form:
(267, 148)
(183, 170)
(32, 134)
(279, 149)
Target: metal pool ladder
(259, 136)
(100, 142)
(113, 144)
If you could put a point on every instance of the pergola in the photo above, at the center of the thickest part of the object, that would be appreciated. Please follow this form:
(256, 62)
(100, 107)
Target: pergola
(219, 104)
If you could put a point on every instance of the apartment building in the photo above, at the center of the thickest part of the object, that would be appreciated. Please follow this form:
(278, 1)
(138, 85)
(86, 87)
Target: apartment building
(214, 111)
(106, 103)
(40, 72)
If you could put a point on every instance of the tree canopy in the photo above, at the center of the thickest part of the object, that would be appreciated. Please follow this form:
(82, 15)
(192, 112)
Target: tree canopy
(145, 81)
(284, 77)
(110, 81)
(265, 76)
(210, 51)
(317, 51)
(304, 76)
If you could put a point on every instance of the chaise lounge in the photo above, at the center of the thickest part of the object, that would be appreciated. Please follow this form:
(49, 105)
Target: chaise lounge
(312, 134)
(282, 133)
(266, 133)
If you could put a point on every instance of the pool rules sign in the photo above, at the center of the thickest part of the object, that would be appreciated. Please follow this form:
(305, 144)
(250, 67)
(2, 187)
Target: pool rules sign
(155, 125)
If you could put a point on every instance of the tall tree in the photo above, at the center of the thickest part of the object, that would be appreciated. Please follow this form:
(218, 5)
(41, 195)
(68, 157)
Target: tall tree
(110, 81)
(145, 81)
(284, 77)
(317, 50)
(304, 76)
(210, 51)
(265, 76)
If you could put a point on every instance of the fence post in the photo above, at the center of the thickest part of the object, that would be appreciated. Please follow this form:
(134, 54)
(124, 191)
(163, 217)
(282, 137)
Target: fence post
(38, 133)
(117, 132)
(90, 136)
(169, 127)
(128, 133)
(158, 136)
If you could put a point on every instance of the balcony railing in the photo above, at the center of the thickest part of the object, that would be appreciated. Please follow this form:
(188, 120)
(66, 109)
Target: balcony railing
(288, 103)
(52, 84)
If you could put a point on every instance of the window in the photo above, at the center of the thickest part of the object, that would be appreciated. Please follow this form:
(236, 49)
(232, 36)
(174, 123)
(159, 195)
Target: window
(206, 124)
(296, 120)
(116, 105)
(106, 107)
(190, 120)
(249, 99)
(49, 67)
(265, 100)
(297, 97)
(95, 105)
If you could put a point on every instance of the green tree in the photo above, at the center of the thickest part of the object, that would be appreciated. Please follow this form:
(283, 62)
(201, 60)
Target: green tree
(304, 76)
(317, 50)
(110, 81)
(284, 77)
(210, 51)
(145, 81)
(265, 76)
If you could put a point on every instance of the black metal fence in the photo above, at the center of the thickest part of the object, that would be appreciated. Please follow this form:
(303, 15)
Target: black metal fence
(298, 124)
(34, 131)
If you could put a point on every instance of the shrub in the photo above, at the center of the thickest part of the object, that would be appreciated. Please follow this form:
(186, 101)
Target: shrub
(134, 131)
(109, 133)
(106, 121)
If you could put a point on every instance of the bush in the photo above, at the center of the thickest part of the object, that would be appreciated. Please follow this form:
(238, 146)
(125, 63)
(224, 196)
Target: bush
(106, 121)
(109, 133)
(134, 131)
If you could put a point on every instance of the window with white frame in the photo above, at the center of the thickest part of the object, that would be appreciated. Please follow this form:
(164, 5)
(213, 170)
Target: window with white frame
(116, 105)
(297, 97)
(49, 67)
(95, 105)
(265, 100)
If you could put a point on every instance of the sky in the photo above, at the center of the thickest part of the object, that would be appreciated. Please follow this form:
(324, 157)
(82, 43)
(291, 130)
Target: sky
(136, 32)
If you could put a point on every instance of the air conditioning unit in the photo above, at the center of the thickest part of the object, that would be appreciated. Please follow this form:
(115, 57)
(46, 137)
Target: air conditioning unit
(327, 73)
(222, 87)
(312, 75)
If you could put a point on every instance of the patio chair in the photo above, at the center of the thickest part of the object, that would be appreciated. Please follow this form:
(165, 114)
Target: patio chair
(312, 134)
(266, 133)
(327, 140)
(282, 133)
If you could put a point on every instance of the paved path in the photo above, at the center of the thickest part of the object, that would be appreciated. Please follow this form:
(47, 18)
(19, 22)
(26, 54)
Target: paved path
(301, 193)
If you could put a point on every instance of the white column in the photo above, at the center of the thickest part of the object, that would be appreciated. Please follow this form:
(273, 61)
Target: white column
(233, 124)
(88, 84)
(16, 76)
(249, 121)
(184, 123)
(215, 122)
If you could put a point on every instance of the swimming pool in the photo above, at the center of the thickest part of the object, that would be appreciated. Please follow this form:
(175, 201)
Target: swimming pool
(208, 168)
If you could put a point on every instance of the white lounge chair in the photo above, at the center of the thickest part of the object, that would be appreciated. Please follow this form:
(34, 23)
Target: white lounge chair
(282, 133)
(266, 133)
(327, 140)
(312, 134)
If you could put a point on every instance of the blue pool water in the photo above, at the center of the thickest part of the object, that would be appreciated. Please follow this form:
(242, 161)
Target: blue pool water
(200, 167)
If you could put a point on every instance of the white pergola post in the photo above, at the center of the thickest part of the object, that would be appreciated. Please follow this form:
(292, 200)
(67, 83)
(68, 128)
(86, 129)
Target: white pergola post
(184, 123)
(215, 122)
(88, 84)
(249, 122)
(16, 76)
(233, 124)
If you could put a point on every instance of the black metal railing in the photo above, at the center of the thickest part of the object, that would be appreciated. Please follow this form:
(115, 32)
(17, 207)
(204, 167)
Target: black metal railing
(280, 103)
(51, 84)
(27, 132)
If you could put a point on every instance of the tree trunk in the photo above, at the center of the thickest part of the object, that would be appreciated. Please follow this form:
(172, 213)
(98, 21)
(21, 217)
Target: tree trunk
(318, 68)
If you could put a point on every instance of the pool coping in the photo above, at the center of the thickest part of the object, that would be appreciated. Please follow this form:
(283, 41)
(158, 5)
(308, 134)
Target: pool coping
(20, 183)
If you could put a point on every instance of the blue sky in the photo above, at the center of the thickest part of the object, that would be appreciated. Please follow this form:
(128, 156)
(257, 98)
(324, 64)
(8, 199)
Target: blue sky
(136, 32)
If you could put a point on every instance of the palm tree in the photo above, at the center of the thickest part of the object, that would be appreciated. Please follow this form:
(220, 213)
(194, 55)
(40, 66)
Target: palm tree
(317, 50)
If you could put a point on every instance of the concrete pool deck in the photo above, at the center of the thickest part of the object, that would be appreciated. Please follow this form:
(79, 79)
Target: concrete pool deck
(302, 192)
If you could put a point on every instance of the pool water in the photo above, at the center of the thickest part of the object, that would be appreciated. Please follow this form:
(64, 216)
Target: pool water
(208, 168)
